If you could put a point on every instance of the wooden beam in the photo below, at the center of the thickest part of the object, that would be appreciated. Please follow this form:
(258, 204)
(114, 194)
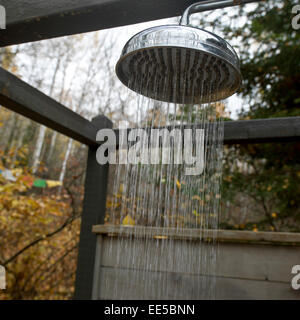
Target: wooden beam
(94, 207)
(33, 20)
(262, 130)
(254, 131)
(197, 234)
(20, 97)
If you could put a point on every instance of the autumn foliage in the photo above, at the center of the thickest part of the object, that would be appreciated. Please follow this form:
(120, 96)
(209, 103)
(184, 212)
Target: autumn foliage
(39, 233)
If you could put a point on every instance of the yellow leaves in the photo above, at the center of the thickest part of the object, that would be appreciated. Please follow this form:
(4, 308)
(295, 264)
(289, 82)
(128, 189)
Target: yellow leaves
(25, 217)
(228, 178)
(57, 213)
(53, 184)
(8, 188)
(196, 198)
(255, 229)
(178, 184)
(37, 208)
(12, 187)
(15, 203)
(1, 189)
(240, 226)
(16, 215)
(32, 203)
(119, 196)
(128, 221)
(286, 184)
(196, 214)
(112, 204)
(274, 215)
(160, 237)
(17, 172)
(269, 188)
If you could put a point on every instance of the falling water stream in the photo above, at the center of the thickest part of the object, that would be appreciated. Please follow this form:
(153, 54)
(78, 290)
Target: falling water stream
(168, 263)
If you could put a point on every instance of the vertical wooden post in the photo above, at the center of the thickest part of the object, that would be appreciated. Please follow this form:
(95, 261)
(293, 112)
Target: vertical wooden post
(94, 207)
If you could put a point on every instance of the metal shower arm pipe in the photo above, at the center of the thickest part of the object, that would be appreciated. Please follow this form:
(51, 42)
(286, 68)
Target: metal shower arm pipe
(210, 5)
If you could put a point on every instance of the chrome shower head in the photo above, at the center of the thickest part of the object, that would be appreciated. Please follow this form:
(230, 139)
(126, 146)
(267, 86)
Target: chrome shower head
(180, 64)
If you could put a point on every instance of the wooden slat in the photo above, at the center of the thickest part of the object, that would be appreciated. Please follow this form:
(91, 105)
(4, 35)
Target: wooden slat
(97, 268)
(235, 260)
(196, 234)
(227, 288)
(32, 20)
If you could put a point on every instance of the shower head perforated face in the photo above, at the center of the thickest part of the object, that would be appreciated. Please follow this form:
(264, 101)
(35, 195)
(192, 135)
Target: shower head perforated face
(179, 64)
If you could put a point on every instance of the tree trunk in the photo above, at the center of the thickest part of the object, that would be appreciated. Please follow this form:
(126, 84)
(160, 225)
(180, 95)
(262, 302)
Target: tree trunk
(65, 162)
(42, 131)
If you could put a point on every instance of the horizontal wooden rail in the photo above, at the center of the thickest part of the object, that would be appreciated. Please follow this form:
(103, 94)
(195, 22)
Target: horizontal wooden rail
(253, 131)
(197, 234)
(262, 130)
(22, 98)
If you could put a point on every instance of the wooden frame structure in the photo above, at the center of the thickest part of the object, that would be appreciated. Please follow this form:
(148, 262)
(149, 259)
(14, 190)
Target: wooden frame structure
(36, 20)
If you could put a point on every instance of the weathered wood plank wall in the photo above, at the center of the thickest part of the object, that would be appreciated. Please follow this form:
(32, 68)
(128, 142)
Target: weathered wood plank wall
(245, 270)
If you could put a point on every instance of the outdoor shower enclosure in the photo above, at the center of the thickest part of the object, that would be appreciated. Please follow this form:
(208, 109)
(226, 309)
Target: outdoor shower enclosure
(60, 18)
